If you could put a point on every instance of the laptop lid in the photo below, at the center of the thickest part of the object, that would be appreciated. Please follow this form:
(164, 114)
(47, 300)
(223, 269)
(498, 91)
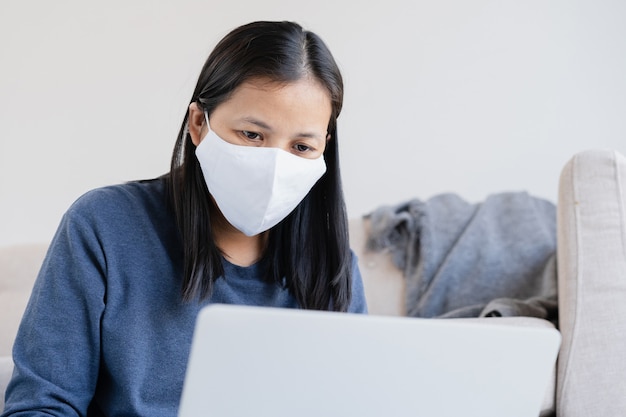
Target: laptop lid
(255, 361)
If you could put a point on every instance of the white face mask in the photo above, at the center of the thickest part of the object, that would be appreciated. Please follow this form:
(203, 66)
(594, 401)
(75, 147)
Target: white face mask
(255, 187)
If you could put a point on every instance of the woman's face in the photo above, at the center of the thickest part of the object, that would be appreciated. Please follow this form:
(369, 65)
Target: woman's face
(290, 116)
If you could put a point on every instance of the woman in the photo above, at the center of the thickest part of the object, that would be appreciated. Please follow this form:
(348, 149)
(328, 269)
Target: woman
(251, 212)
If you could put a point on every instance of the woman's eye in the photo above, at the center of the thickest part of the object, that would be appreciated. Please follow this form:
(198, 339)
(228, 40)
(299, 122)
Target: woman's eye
(302, 148)
(251, 135)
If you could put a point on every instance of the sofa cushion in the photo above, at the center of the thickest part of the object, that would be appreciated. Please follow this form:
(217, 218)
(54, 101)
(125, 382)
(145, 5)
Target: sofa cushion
(382, 281)
(385, 288)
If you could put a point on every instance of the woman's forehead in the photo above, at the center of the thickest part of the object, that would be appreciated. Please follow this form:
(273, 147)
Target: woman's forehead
(302, 102)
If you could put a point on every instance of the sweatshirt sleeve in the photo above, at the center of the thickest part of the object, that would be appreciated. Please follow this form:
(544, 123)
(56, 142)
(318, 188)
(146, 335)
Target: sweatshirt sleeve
(57, 349)
(358, 303)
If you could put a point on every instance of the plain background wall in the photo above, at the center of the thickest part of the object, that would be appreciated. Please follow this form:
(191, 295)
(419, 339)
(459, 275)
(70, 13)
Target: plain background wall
(472, 97)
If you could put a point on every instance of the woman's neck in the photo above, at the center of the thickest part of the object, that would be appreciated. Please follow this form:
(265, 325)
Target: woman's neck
(236, 247)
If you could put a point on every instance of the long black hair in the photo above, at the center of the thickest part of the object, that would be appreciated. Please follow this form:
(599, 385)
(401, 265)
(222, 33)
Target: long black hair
(309, 250)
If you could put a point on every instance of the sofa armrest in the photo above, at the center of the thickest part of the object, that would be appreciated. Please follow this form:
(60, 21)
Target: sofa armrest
(6, 370)
(592, 285)
(19, 266)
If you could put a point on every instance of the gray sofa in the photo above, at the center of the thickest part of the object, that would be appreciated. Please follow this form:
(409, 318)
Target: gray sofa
(589, 378)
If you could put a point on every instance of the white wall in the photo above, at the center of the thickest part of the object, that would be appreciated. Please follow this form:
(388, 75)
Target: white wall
(473, 97)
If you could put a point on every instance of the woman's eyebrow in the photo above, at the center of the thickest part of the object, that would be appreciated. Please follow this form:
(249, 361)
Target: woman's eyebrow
(263, 125)
(311, 135)
(256, 122)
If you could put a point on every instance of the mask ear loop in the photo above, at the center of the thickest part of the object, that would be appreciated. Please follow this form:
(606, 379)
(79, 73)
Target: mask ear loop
(206, 119)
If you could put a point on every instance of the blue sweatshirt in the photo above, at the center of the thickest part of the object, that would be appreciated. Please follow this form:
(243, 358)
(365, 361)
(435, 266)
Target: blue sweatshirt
(105, 332)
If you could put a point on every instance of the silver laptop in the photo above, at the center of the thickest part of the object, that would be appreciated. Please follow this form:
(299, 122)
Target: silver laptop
(254, 361)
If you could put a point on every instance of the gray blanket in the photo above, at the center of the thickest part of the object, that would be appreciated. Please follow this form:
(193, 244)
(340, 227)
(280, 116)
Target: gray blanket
(494, 258)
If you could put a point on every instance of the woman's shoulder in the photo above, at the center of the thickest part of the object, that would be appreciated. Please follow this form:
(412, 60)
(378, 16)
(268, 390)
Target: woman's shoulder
(120, 208)
(132, 195)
